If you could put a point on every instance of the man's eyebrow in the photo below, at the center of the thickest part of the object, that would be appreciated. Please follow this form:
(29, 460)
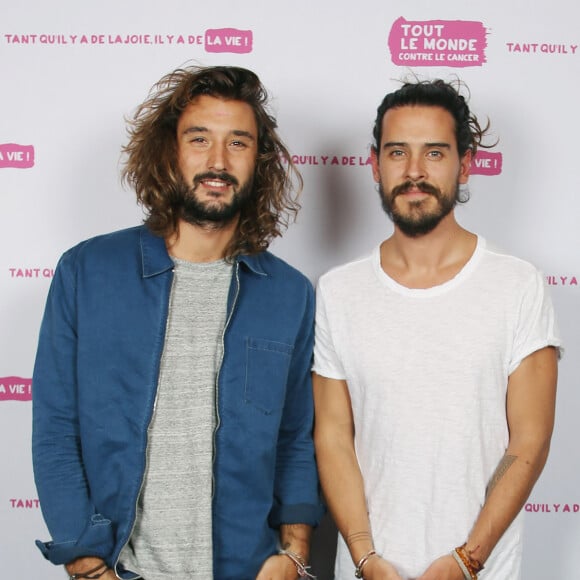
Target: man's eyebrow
(195, 129)
(201, 129)
(241, 133)
(440, 144)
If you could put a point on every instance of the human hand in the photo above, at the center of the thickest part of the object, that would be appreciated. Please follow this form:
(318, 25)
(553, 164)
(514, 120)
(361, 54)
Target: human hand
(92, 566)
(444, 568)
(278, 567)
(109, 575)
(378, 569)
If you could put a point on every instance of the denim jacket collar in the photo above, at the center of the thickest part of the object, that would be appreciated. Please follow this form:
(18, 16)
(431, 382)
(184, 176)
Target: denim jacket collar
(254, 263)
(155, 259)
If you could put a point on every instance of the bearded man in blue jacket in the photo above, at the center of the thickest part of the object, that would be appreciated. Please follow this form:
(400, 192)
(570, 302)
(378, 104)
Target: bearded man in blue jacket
(172, 406)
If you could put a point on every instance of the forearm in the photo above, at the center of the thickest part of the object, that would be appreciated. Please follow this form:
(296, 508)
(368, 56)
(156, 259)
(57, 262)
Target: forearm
(338, 468)
(343, 488)
(296, 489)
(507, 492)
(530, 413)
(56, 448)
(63, 493)
(295, 538)
(296, 486)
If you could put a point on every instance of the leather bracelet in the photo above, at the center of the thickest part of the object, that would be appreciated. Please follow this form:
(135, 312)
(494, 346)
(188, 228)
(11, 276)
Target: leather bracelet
(358, 573)
(90, 574)
(466, 572)
(473, 566)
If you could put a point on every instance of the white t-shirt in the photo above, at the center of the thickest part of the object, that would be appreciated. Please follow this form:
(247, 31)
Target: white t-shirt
(427, 373)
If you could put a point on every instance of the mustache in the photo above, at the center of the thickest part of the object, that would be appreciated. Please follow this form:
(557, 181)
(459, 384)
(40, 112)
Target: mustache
(422, 186)
(222, 176)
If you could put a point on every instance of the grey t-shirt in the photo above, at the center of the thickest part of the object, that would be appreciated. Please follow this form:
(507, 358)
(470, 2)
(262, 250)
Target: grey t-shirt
(172, 535)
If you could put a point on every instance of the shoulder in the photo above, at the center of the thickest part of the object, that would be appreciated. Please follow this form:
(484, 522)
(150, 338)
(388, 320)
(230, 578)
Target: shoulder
(348, 274)
(275, 286)
(108, 242)
(275, 269)
(506, 264)
(106, 250)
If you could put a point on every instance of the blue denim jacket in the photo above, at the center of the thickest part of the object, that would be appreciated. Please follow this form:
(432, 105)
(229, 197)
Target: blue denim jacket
(94, 390)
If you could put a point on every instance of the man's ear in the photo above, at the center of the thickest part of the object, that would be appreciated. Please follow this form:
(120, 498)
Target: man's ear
(375, 165)
(465, 166)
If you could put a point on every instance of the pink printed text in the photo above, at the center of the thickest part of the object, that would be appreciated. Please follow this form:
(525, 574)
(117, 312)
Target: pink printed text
(453, 43)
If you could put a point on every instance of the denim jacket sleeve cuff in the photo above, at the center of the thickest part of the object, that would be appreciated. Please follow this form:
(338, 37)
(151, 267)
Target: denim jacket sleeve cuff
(97, 539)
(303, 513)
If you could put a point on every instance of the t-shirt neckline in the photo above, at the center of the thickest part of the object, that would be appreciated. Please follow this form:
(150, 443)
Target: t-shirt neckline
(465, 272)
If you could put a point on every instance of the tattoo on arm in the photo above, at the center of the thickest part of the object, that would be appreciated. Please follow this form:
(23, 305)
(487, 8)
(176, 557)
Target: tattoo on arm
(296, 537)
(358, 537)
(500, 471)
(291, 532)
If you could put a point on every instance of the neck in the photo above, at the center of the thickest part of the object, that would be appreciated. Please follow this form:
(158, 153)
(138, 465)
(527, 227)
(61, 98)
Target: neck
(431, 259)
(200, 242)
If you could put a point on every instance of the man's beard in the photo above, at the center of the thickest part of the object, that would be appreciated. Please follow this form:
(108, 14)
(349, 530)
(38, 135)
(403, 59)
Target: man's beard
(418, 222)
(215, 213)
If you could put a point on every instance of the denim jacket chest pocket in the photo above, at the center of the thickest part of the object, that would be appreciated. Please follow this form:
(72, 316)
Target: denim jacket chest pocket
(267, 366)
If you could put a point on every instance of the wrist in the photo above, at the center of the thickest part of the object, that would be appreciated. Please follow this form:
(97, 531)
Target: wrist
(362, 562)
(301, 564)
(470, 566)
(296, 538)
(359, 544)
(86, 568)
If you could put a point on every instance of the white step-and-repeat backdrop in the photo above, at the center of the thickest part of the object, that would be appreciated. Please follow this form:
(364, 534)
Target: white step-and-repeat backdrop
(72, 71)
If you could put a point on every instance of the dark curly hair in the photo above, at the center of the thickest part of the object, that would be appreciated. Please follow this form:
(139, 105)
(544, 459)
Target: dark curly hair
(151, 155)
(436, 93)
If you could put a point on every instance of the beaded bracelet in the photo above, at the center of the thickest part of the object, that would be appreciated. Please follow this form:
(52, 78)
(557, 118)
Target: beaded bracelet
(358, 573)
(90, 574)
(301, 567)
(472, 565)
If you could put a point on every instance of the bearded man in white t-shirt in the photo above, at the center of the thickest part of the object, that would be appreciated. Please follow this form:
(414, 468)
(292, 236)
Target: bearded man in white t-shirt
(435, 368)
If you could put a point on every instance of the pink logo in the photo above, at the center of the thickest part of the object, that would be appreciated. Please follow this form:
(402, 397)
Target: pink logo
(15, 389)
(102, 39)
(545, 48)
(24, 503)
(31, 272)
(18, 156)
(562, 280)
(228, 40)
(331, 160)
(485, 163)
(456, 43)
(552, 508)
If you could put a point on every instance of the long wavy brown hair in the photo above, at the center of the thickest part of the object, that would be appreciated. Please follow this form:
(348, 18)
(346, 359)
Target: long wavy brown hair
(151, 167)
